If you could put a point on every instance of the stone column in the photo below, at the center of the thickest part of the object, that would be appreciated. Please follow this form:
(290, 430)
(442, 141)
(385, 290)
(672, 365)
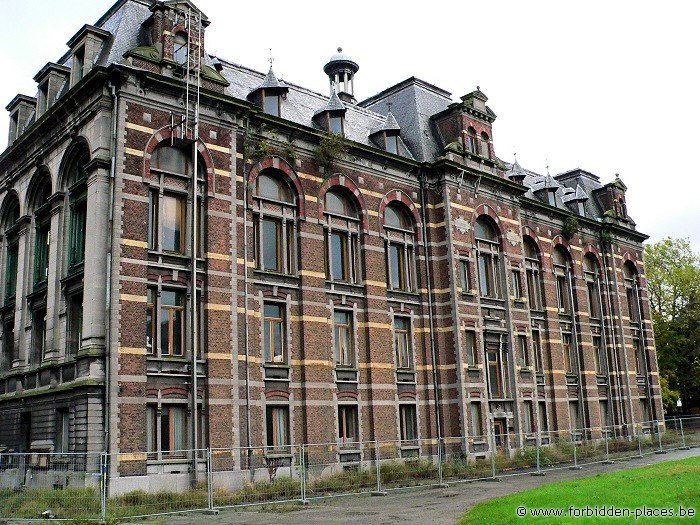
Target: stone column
(53, 283)
(96, 238)
(23, 279)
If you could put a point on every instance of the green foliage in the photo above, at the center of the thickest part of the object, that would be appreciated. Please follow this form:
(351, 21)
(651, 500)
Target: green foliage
(67, 503)
(289, 152)
(570, 228)
(331, 149)
(665, 485)
(673, 282)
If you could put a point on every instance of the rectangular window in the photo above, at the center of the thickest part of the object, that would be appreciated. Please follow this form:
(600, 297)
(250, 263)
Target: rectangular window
(271, 105)
(277, 419)
(274, 339)
(8, 343)
(470, 339)
(599, 355)
(150, 320)
(14, 127)
(41, 254)
(172, 323)
(407, 420)
(496, 370)
(604, 415)
(43, 98)
(632, 305)
(523, 357)
(153, 220)
(339, 268)
(11, 271)
(567, 347)
(574, 415)
(38, 336)
(76, 252)
(537, 351)
(271, 244)
(173, 430)
(62, 443)
(528, 417)
(639, 357)
(336, 125)
(397, 267)
(543, 417)
(343, 334)
(392, 144)
(486, 285)
(562, 294)
(533, 289)
(347, 425)
(173, 223)
(74, 330)
(593, 303)
(516, 284)
(79, 65)
(475, 415)
(466, 274)
(402, 342)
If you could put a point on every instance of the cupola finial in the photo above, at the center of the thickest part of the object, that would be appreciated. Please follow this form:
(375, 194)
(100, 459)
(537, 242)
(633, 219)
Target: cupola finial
(341, 71)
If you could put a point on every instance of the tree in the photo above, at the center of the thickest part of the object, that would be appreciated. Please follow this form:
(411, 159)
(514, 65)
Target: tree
(673, 282)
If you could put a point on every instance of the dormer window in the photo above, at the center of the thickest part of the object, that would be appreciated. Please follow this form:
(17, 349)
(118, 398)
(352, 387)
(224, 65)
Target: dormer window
(485, 152)
(335, 124)
(392, 143)
(43, 98)
(79, 65)
(14, 127)
(551, 198)
(271, 103)
(180, 48)
(581, 209)
(471, 140)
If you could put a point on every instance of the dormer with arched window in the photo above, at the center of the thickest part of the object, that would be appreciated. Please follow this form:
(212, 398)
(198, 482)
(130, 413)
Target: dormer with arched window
(386, 135)
(331, 117)
(270, 94)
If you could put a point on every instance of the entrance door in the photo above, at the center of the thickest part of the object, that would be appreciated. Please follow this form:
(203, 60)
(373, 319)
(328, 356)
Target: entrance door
(25, 431)
(500, 431)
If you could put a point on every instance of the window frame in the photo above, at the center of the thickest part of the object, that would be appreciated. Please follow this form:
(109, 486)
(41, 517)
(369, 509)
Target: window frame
(400, 250)
(533, 277)
(403, 353)
(268, 341)
(38, 342)
(74, 323)
(488, 262)
(476, 426)
(344, 357)
(272, 421)
(499, 365)
(471, 347)
(344, 226)
(348, 425)
(408, 423)
(155, 308)
(523, 353)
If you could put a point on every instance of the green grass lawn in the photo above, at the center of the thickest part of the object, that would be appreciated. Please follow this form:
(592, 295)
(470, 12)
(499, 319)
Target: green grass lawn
(662, 486)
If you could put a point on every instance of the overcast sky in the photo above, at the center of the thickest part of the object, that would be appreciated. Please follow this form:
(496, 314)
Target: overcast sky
(610, 87)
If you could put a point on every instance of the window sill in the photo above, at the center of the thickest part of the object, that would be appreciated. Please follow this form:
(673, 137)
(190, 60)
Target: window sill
(525, 369)
(474, 368)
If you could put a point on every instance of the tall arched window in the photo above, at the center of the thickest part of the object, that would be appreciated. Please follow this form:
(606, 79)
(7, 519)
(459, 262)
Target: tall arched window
(40, 192)
(275, 223)
(592, 275)
(533, 274)
(400, 241)
(472, 143)
(9, 219)
(342, 237)
(180, 48)
(76, 187)
(485, 150)
(561, 267)
(488, 255)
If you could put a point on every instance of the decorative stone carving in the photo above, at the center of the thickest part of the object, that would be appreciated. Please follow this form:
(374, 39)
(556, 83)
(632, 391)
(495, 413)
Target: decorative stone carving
(513, 237)
(462, 225)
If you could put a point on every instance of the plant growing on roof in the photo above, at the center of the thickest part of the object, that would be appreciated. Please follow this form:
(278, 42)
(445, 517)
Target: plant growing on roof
(570, 228)
(330, 149)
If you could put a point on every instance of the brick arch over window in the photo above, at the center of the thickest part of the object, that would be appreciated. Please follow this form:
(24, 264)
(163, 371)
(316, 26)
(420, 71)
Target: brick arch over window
(11, 200)
(166, 133)
(343, 181)
(559, 240)
(631, 263)
(591, 251)
(400, 196)
(529, 232)
(277, 163)
(485, 209)
(79, 146)
(41, 176)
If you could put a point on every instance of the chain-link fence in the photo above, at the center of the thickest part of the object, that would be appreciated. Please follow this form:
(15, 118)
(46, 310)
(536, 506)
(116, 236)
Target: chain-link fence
(36, 486)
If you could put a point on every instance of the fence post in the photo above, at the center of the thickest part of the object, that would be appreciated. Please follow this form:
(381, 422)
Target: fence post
(210, 481)
(302, 473)
(538, 445)
(575, 465)
(658, 433)
(441, 445)
(684, 447)
(104, 458)
(493, 457)
(378, 470)
(607, 461)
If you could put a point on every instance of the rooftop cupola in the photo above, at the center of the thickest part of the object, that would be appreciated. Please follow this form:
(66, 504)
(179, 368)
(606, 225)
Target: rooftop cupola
(341, 71)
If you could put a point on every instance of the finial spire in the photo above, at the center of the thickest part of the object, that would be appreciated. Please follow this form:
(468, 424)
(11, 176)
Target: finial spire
(388, 105)
(270, 60)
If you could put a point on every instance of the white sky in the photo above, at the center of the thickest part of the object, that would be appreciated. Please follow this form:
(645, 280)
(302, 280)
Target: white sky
(606, 86)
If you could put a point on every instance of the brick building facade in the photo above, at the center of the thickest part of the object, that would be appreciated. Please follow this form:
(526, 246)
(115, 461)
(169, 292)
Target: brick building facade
(363, 270)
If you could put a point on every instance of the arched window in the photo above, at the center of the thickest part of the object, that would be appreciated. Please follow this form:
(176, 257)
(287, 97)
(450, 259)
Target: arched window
(560, 263)
(275, 223)
(488, 251)
(342, 237)
(40, 192)
(634, 310)
(533, 275)
(9, 219)
(168, 196)
(180, 48)
(592, 275)
(400, 240)
(630, 275)
(472, 143)
(76, 189)
(485, 150)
